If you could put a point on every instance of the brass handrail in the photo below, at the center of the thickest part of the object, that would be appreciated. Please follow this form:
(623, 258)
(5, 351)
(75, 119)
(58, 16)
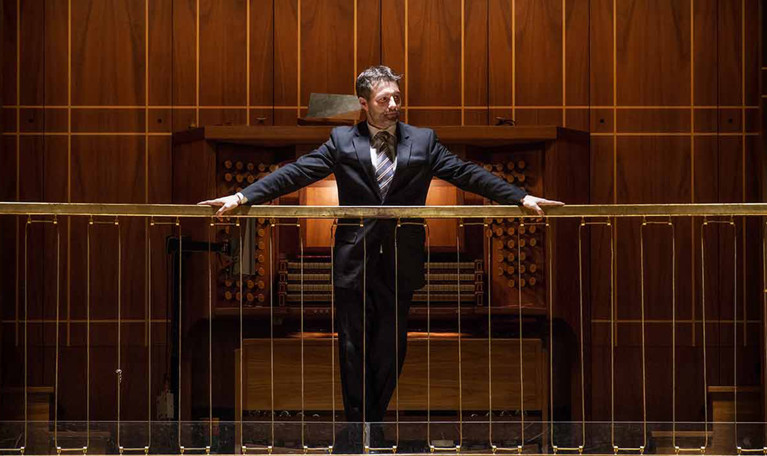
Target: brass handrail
(491, 211)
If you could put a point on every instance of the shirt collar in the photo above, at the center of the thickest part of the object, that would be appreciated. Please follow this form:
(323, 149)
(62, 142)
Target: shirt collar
(373, 130)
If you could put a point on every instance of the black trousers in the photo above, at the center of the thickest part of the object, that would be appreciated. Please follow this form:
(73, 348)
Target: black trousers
(372, 337)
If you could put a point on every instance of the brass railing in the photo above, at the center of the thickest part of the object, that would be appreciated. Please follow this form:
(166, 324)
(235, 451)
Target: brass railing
(569, 211)
(604, 216)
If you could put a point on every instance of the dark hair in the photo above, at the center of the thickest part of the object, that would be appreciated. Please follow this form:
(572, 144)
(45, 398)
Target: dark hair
(372, 76)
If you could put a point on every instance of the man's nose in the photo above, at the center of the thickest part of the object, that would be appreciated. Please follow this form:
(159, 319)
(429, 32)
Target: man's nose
(392, 103)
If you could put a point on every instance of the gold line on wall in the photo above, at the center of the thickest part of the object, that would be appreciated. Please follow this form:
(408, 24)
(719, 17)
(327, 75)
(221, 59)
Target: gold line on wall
(148, 317)
(564, 64)
(84, 321)
(298, 58)
(69, 159)
(197, 67)
(146, 101)
(123, 133)
(692, 164)
(660, 133)
(692, 113)
(247, 61)
(354, 75)
(513, 60)
(463, 63)
(743, 141)
(689, 321)
(18, 157)
(615, 103)
(407, 74)
(619, 107)
(92, 133)
(614, 278)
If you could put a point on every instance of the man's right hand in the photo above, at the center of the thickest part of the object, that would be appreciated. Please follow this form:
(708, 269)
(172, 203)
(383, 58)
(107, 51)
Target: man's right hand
(225, 203)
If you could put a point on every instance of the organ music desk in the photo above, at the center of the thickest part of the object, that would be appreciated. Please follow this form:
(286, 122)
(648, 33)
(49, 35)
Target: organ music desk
(548, 161)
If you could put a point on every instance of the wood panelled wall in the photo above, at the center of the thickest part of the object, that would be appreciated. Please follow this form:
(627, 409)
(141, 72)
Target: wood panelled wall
(669, 89)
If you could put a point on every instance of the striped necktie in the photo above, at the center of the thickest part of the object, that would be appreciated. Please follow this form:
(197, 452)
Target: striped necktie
(385, 168)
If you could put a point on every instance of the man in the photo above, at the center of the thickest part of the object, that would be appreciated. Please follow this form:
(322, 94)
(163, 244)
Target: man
(378, 162)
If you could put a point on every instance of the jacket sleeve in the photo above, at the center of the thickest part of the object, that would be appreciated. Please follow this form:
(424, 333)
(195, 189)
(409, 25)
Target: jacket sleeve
(469, 176)
(308, 169)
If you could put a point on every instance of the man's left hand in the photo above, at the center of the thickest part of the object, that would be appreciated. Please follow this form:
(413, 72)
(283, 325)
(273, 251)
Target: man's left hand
(533, 204)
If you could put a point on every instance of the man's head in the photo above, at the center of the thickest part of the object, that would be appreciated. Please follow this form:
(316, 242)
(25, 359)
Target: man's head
(379, 95)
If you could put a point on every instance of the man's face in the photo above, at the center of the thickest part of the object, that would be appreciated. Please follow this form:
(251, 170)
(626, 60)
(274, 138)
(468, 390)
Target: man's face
(382, 108)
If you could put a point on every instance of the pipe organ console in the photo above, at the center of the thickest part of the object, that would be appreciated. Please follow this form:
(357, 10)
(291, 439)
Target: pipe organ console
(281, 269)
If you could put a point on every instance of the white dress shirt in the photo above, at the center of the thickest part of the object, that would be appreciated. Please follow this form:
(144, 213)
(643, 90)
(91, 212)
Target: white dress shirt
(373, 152)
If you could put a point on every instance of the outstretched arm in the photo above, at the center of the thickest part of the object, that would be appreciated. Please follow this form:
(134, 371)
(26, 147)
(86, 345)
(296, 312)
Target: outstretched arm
(474, 178)
(309, 168)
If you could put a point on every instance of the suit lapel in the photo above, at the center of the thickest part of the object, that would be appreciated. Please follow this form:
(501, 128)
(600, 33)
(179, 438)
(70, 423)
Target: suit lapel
(403, 155)
(361, 143)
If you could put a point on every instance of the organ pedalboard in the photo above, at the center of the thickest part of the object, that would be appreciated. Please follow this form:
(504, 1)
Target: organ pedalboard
(446, 283)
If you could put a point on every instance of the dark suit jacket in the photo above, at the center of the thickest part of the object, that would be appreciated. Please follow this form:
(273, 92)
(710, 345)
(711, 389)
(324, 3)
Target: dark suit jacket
(420, 157)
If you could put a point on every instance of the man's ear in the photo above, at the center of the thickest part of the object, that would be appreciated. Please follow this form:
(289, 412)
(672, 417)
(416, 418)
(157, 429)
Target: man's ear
(363, 103)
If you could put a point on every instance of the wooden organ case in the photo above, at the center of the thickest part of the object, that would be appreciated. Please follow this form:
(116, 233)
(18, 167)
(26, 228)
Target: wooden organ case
(552, 162)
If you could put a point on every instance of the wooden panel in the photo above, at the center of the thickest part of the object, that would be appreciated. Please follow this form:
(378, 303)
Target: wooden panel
(39, 120)
(475, 53)
(539, 52)
(601, 52)
(223, 117)
(159, 120)
(184, 52)
(327, 47)
(705, 55)
(659, 71)
(706, 120)
(477, 117)
(442, 232)
(183, 119)
(262, 58)
(9, 250)
(602, 121)
(222, 54)
(108, 120)
(602, 163)
(8, 120)
(412, 384)
(32, 52)
(317, 232)
(108, 52)
(285, 54)
(369, 48)
(423, 117)
(108, 170)
(393, 39)
(653, 120)
(729, 53)
(577, 58)
(434, 31)
(706, 189)
(664, 178)
(598, 238)
(500, 50)
(161, 84)
(730, 153)
(539, 116)
(751, 44)
(577, 119)
(9, 30)
(159, 167)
